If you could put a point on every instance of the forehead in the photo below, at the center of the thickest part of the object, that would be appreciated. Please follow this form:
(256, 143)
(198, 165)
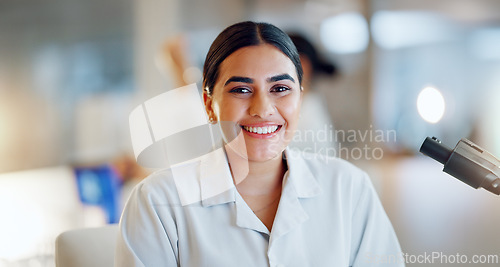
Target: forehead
(260, 61)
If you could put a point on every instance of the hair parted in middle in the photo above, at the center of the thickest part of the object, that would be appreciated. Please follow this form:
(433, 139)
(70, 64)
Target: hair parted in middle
(241, 35)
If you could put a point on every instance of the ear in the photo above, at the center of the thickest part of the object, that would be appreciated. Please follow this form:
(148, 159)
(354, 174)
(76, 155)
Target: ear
(207, 100)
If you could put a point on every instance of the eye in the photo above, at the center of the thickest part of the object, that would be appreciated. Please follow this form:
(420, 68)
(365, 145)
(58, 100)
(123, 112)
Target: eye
(240, 90)
(279, 89)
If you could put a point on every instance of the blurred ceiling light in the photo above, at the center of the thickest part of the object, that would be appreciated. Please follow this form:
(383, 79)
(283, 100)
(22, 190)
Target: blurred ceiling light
(398, 29)
(345, 33)
(430, 104)
(484, 44)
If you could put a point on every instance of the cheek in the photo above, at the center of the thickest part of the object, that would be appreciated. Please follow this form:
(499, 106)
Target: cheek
(290, 109)
(230, 110)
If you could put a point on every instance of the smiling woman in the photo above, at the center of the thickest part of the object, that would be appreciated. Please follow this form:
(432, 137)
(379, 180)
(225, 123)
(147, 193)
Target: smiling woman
(258, 90)
(259, 203)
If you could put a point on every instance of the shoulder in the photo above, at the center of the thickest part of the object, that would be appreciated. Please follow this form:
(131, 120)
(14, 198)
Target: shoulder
(162, 186)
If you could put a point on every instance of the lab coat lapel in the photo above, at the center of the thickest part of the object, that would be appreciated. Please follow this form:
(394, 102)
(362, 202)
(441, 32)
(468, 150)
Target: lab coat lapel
(290, 212)
(245, 218)
(298, 183)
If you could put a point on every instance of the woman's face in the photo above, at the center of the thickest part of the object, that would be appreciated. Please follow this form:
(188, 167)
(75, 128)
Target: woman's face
(258, 92)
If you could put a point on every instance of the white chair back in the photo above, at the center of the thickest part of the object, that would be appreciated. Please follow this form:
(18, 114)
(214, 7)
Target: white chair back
(87, 247)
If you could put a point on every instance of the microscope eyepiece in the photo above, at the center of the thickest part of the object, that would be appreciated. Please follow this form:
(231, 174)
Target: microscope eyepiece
(433, 148)
(467, 162)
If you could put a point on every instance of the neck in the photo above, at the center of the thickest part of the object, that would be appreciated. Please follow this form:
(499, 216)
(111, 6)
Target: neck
(256, 177)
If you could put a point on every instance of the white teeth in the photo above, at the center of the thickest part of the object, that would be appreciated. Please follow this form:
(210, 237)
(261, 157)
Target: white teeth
(261, 130)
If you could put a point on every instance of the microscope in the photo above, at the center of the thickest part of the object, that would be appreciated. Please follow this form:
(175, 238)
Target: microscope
(467, 162)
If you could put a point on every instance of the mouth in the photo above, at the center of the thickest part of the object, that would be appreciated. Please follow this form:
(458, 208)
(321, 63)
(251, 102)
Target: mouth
(261, 131)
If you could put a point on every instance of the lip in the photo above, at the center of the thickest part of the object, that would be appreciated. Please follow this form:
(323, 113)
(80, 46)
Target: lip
(261, 136)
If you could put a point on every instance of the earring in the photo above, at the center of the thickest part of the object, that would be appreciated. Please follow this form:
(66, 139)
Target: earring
(211, 120)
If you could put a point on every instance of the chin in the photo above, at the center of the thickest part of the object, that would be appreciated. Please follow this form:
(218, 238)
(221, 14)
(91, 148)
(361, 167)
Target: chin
(256, 153)
(265, 154)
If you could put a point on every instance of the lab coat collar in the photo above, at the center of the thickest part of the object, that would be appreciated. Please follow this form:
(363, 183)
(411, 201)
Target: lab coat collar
(216, 181)
(300, 174)
(217, 185)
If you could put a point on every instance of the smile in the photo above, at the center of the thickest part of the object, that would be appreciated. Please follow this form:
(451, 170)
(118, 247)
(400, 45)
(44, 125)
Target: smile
(262, 130)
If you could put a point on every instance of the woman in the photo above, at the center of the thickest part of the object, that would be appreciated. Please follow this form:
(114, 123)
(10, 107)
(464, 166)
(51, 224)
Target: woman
(253, 202)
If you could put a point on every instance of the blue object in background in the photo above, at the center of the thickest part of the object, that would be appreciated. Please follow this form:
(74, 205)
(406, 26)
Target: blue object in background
(100, 186)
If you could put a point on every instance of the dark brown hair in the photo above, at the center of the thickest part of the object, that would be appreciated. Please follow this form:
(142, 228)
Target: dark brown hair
(244, 34)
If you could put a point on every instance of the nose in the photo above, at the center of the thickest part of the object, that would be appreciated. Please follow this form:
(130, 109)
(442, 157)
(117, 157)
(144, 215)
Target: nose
(262, 106)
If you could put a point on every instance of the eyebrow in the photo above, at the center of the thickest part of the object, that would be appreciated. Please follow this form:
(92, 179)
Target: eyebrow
(238, 79)
(276, 78)
(280, 78)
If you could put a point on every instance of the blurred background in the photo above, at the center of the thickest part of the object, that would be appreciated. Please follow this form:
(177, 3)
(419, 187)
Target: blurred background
(72, 71)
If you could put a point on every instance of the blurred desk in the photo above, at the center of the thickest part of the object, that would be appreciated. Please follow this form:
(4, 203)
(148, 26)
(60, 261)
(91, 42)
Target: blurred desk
(35, 207)
(433, 212)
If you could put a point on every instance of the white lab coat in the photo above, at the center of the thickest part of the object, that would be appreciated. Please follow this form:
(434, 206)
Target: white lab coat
(192, 215)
